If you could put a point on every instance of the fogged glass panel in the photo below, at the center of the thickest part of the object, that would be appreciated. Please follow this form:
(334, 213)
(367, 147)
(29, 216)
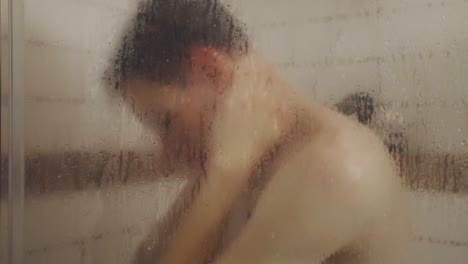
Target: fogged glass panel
(4, 70)
(201, 131)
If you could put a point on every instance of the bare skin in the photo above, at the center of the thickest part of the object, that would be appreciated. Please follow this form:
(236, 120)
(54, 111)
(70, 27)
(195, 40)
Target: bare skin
(331, 187)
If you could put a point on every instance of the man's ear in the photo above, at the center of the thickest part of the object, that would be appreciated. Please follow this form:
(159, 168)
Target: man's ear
(209, 65)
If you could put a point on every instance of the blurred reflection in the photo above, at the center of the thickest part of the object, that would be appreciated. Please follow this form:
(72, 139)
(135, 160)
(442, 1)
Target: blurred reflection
(273, 176)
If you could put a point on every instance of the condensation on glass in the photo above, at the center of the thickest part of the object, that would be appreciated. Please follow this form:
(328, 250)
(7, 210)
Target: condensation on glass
(95, 176)
(12, 133)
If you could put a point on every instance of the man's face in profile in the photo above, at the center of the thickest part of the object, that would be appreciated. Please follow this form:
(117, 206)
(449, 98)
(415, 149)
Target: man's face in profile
(174, 111)
(179, 110)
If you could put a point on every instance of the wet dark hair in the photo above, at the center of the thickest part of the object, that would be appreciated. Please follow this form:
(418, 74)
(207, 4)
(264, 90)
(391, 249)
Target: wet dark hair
(156, 46)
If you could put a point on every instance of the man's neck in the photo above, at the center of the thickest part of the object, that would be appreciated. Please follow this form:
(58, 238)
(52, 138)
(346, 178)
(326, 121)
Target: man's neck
(257, 79)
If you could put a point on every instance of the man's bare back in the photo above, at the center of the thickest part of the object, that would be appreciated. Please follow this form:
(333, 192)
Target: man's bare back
(339, 192)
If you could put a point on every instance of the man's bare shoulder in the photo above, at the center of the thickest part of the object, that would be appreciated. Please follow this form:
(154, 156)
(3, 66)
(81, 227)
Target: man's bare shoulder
(349, 149)
(345, 134)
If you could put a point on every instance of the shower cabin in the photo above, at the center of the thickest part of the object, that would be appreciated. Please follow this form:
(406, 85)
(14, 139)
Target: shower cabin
(79, 173)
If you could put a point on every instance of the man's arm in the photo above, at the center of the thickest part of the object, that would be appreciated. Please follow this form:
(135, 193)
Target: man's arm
(240, 135)
(195, 237)
(153, 246)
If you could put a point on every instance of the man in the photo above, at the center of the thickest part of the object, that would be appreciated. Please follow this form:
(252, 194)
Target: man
(274, 177)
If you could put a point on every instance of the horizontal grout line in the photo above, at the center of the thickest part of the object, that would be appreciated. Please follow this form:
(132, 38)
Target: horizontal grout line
(95, 4)
(135, 231)
(106, 6)
(45, 44)
(82, 242)
(445, 242)
(375, 12)
(435, 102)
(62, 100)
(331, 61)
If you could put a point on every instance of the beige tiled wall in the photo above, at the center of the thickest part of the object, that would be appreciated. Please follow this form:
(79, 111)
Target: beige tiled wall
(105, 226)
(98, 226)
(410, 53)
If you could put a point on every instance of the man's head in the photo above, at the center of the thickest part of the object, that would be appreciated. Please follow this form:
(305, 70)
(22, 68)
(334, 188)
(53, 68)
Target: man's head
(174, 59)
